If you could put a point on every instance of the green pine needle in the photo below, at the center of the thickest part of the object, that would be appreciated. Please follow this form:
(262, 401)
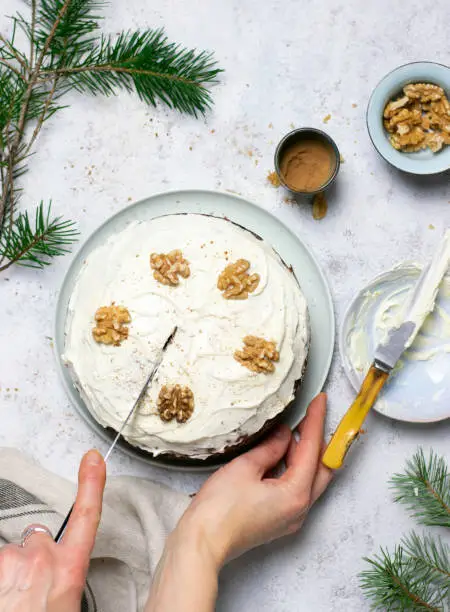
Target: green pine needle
(149, 64)
(34, 246)
(75, 31)
(416, 575)
(397, 582)
(12, 95)
(425, 489)
(432, 557)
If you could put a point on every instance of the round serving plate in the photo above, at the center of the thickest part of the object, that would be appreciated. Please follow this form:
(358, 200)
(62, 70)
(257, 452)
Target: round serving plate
(289, 246)
(417, 390)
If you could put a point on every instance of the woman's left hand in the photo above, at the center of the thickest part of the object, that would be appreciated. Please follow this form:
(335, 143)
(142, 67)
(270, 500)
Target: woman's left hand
(239, 507)
(43, 576)
(242, 506)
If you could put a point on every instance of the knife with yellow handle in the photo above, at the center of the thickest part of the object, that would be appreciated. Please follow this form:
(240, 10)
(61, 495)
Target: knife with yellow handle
(417, 307)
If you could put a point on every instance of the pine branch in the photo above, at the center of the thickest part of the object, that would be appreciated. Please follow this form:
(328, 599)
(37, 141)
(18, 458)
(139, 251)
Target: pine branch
(12, 68)
(12, 97)
(66, 52)
(9, 52)
(395, 582)
(149, 64)
(73, 34)
(32, 35)
(425, 489)
(432, 557)
(34, 247)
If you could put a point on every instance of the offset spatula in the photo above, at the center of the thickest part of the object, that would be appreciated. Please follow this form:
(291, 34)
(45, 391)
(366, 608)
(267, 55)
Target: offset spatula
(417, 307)
(156, 365)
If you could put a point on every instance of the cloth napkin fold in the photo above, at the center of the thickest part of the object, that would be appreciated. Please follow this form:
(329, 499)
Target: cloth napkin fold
(137, 517)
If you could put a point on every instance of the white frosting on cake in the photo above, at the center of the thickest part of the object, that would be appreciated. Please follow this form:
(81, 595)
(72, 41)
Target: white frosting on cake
(230, 400)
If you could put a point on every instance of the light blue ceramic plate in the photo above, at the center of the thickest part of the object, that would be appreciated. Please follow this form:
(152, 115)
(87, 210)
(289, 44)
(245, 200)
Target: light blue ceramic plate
(417, 390)
(422, 162)
(290, 247)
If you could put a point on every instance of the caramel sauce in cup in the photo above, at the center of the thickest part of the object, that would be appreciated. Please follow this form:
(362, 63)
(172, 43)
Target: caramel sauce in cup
(307, 161)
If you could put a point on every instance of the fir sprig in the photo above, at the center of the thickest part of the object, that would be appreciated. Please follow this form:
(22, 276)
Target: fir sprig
(34, 245)
(394, 582)
(416, 574)
(432, 558)
(147, 63)
(75, 33)
(66, 51)
(425, 489)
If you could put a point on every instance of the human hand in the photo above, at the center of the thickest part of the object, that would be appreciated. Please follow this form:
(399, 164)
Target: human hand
(43, 576)
(242, 506)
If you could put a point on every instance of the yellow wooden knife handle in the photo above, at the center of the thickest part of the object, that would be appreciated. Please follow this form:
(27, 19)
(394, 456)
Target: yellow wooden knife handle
(351, 423)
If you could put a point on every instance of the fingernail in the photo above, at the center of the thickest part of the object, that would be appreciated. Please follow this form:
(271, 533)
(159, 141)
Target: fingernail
(94, 457)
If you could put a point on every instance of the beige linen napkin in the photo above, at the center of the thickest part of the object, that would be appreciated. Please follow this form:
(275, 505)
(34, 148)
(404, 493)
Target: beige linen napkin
(137, 517)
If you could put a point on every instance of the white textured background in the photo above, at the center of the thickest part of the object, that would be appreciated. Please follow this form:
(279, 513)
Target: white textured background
(287, 63)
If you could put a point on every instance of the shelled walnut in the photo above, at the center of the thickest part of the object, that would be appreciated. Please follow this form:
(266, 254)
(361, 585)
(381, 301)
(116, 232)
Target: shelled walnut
(175, 402)
(425, 92)
(168, 267)
(419, 119)
(235, 281)
(111, 325)
(258, 354)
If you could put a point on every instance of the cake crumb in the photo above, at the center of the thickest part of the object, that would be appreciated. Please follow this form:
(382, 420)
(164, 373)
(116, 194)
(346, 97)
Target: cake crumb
(288, 200)
(274, 179)
(354, 105)
(326, 118)
(341, 159)
(431, 227)
(270, 126)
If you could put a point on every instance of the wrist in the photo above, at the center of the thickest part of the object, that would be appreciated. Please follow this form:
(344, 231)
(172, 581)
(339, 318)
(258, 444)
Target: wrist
(186, 562)
(191, 534)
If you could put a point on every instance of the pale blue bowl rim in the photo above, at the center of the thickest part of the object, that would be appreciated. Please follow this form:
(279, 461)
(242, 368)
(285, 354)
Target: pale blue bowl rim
(423, 162)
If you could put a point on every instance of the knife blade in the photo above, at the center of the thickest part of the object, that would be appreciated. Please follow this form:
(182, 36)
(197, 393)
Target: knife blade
(418, 305)
(156, 365)
(141, 394)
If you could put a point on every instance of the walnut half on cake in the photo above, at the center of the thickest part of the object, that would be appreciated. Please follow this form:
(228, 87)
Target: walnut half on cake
(110, 324)
(258, 355)
(235, 282)
(175, 402)
(168, 267)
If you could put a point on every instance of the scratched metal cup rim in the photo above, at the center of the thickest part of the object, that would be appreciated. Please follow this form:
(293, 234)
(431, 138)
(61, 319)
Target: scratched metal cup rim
(307, 133)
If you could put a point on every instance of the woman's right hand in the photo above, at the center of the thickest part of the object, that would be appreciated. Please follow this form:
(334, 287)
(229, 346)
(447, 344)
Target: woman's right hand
(241, 506)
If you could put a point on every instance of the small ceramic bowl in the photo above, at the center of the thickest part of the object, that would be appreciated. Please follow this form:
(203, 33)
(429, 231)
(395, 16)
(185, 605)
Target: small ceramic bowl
(422, 162)
(306, 134)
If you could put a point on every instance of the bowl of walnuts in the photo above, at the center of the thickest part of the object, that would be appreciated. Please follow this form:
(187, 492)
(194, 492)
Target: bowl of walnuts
(408, 118)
